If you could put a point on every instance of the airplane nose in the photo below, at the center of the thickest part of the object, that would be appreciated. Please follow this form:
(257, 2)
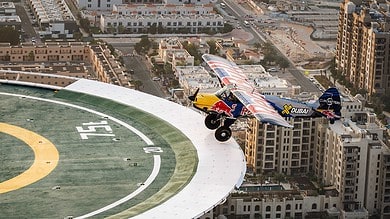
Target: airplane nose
(193, 97)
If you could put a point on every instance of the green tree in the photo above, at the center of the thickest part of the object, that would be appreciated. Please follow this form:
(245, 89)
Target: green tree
(227, 28)
(84, 23)
(78, 36)
(121, 29)
(143, 46)
(213, 47)
(279, 177)
(283, 63)
(257, 45)
(193, 50)
(9, 35)
(153, 28)
(137, 84)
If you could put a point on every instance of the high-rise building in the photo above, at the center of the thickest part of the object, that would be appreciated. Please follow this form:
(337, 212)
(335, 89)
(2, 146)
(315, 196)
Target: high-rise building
(363, 45)
(270, 148)
(350, 156)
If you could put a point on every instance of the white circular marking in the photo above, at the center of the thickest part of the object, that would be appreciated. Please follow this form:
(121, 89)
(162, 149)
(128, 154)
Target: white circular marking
(157, 159)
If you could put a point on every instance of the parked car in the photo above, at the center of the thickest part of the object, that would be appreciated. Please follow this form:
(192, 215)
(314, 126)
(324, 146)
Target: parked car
(272, 70)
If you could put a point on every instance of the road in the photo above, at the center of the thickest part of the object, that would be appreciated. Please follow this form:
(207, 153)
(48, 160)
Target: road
(141, 69)
(298, 78)
(27, 27)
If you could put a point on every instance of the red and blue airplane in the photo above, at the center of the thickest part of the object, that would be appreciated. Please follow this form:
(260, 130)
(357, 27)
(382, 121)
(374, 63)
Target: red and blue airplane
(238, 98)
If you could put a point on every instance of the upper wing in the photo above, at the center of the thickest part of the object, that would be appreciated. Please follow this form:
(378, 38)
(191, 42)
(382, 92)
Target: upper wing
(230, 74)
(260, 108)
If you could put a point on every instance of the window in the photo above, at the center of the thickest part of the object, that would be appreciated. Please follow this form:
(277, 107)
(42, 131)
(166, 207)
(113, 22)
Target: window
(314, 206)
(268, 208)
(278, 208)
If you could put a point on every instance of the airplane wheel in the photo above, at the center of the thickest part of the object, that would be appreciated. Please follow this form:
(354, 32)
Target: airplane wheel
(212, 121)
(223, 133)
(331, 121)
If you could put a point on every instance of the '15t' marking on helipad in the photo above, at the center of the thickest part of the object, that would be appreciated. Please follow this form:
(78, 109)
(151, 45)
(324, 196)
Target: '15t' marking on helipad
(157, 159)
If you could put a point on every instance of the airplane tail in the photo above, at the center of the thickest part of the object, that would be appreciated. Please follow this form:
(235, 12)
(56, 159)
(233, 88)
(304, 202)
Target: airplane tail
(330, 104)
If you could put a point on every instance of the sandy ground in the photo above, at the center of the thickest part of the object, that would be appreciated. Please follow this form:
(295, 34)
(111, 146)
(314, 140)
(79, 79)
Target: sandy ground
(294, 41)
(291, 39)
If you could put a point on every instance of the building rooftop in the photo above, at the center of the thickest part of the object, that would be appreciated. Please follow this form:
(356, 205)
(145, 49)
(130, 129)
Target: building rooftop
(51, 10)
(220, 167)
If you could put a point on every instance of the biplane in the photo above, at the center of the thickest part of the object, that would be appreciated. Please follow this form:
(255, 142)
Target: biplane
(238, 98)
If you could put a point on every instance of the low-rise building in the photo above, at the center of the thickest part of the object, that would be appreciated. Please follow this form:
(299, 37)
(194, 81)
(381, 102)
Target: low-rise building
(276, 201)
(171, 51)
(8, 16)
(11, 21)
(77, 60)
(7, 9)
(54, 18)
(162, 23)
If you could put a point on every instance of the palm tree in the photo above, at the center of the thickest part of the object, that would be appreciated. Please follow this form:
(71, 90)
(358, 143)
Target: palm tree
(261, 178)
(279, 177)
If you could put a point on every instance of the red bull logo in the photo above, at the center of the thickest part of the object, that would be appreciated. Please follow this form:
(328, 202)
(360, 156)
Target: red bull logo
(221, 106)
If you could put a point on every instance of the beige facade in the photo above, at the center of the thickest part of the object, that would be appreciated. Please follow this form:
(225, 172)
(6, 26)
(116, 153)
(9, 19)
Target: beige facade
(172, 51)
(350, 156)
(277, 204)
(270, 149)
(352, 162)
(45, 52)
(78, 60)
(363, 42)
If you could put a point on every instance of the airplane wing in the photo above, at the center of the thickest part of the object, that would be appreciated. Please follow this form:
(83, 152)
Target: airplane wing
(228, 72)
(260, 108)
(231, 75)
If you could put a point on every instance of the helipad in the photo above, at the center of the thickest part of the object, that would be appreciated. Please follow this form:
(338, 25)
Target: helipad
(121, 153)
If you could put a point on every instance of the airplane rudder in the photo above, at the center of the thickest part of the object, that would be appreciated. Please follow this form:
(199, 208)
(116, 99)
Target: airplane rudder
(330, 99)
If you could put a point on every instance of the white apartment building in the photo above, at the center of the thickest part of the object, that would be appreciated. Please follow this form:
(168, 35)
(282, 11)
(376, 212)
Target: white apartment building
(277, 204)
(7, 9)
(107, 5)
(353, 163)
(142, 9)
(8, 16)
(193, 77)
(163, 23)
(96, 5)
(54, 17)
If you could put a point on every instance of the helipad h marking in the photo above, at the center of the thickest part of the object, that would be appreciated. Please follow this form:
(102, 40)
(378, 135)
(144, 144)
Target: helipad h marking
(46, 158)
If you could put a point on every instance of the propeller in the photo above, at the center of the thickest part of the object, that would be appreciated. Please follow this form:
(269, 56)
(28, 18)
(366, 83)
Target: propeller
(192, 97)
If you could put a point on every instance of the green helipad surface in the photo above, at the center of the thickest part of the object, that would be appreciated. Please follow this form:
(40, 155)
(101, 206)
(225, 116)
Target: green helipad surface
(100, 162)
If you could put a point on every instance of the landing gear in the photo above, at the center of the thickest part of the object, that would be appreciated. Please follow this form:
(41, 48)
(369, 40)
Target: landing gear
(223, 133)
(212, 121)
(221, 123)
